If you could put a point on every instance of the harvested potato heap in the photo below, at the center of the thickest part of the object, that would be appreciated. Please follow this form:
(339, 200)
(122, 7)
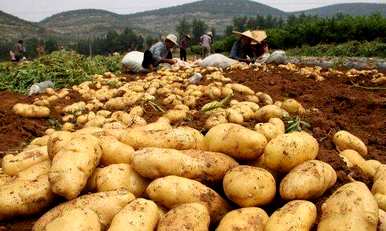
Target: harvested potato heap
(119, 172)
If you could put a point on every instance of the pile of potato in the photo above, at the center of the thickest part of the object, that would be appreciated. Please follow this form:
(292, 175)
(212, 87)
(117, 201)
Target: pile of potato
(118, 172)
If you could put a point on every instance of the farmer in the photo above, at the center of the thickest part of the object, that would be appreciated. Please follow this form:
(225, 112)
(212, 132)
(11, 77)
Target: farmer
(19, 53)
(250, 46)
(184, 44)
(160, 53)
(206, 41)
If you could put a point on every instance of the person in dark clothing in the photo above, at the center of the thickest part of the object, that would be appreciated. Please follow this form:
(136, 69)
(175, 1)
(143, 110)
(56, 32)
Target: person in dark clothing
(250, 46)
(160, 53)
(19, 51)
(184, 44)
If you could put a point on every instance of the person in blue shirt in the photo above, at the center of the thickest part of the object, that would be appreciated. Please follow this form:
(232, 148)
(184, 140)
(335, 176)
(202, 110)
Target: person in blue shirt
(160, 53)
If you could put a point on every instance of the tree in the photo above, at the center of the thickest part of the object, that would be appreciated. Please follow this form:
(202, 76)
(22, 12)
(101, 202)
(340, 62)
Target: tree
(183, 27)
(199, 28)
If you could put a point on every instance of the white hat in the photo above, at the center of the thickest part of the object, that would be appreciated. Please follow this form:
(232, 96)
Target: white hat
(172, 38)
(257, 36)
(210, 33)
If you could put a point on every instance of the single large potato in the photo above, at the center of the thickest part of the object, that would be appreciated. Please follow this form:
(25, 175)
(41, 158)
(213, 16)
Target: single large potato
(236, 141)
(292, 106)
(270, 111)
(181, 138)
(172, 191)
(285, 152)
(193, 164)
(105, 204)
(245, 219)
(353, 158)
(115, 152)
(186, 217)
(139, 215)
(307, 181)
(295, 215)
(351, 207)
(345, 140)
(78, 219)
(20, 197)
(249, 186)
(13, 164)
(117, 176)
(272, 129)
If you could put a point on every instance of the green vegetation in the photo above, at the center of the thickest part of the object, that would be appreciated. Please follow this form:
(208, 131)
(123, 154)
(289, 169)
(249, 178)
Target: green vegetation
(65, 69)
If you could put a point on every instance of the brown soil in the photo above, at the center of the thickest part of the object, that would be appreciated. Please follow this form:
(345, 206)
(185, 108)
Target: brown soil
(334, 104)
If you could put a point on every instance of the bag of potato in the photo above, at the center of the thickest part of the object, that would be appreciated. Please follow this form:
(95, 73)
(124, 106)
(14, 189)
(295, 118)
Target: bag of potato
(132, 61)
(217, 60)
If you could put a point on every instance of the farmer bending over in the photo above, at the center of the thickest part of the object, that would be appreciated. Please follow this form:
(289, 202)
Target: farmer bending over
(250, 46)
(160, 53)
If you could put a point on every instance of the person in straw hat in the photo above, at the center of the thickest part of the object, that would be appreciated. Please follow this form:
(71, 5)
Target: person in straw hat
(184, 44)
(160, 53)
(206, 41)
(250, 46)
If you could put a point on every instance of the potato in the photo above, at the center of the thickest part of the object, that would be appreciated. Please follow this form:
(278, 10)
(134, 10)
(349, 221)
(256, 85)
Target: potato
(293, 107)
(13, 164)
(21, 197)
(382, 221)
(115, 152)
(31, 111)
(193, 164)
(186, 217)
(236, 141)
(68, 127)
(308, 180)
(264, 98)
(355, 159)
(35, 171)
(94, 131)
(374, 165)
(270, 111)
(351, 207)
(272, 129)
(74, 164)
(176, 115)
(345, 140)
(295, 215)
(105, 204)
(117, 176)
(285, 152)
(138, 215)
(172, 191)
(217, 116)
(40, 141)
(245, 219)
(249, 186)
(235, 116)
(241, 88)
(77, 219)
(379, 186)
(56, 141)
(177, 138)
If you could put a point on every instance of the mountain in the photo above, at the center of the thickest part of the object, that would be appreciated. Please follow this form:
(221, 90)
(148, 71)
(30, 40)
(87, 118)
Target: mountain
(354, 9)
(13, 28)
(216, 13)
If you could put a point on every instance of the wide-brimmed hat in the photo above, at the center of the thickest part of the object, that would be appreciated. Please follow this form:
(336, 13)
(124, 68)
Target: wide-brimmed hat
(188, 36)
(172, 38)
(257, 36)
(210, 33)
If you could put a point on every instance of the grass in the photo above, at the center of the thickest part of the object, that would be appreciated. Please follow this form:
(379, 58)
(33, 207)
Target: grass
(65, 69)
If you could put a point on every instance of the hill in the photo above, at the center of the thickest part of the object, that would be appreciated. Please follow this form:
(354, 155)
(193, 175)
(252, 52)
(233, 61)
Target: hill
(13, 28)
(354, 9)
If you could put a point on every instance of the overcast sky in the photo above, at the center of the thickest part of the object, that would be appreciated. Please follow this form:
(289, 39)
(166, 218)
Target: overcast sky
(36, 10)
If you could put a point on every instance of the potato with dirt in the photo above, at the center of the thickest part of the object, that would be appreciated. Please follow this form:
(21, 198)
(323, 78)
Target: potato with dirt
(77, 219)
(198, 165)
(272, 129)
(114, 151)
(20, 197)
(268, 112)
(31, 111)
(353, 158)
(236, 141)
(296, 215)
(138, 215)
(379, 187)
(351, 207)
(105, 204)
(56, 141)
(345, 140)
(117, 176)
(186, 217)
(382, 221)
(307, 181)
(249, 186)
(286, 151)
(245, 219)
(74, 164)
(172, 191)
(13, 164)
(293, 107)
(35, 171)
(181, 138)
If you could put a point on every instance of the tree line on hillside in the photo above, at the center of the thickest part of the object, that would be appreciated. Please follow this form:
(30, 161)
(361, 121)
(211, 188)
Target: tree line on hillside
(292, 32)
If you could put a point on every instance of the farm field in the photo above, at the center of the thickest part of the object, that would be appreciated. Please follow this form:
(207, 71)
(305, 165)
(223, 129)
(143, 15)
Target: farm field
(333, 100)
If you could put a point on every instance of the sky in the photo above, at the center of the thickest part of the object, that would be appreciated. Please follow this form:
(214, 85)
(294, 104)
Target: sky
(36, 10)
